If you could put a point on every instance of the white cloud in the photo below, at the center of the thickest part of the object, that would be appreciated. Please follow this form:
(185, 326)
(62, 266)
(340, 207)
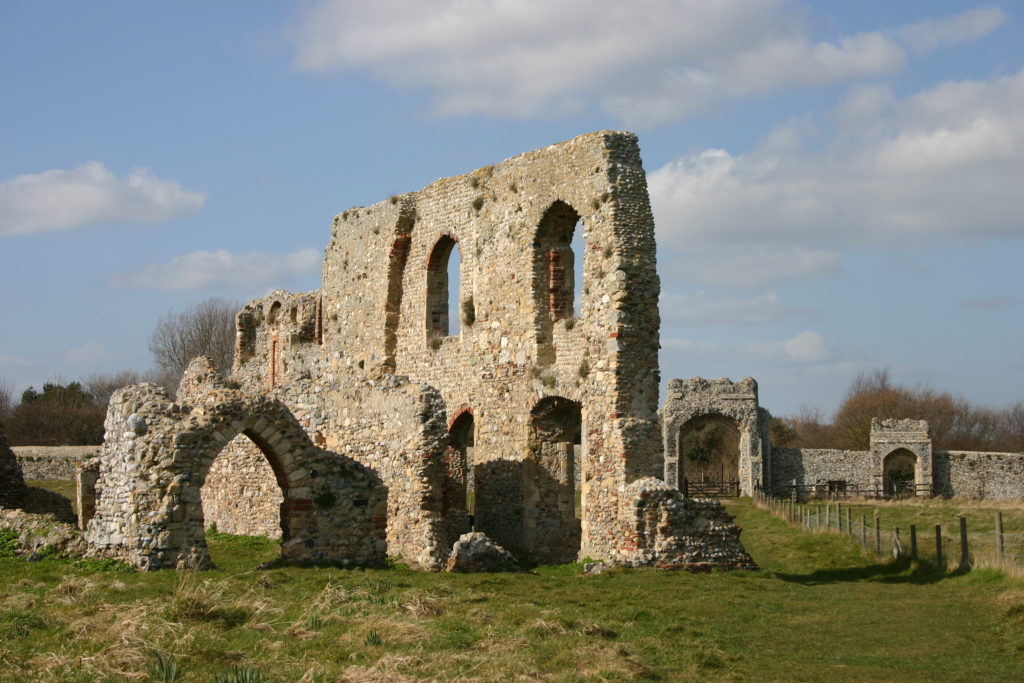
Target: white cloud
(88, 354)
(710, 308)
(803, 349)
(13, 362)
(647, 61)
(944, 163)
(747, 267)
(931, 34)
(87, 195)
(199, 269)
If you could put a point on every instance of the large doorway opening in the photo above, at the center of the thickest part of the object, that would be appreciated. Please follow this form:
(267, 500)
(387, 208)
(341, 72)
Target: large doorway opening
(709, 456)
(552, 482)
(898, 473)
(459, 503)
(241, 500)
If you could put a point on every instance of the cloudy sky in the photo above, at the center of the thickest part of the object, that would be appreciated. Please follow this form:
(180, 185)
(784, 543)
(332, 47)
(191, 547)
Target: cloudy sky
(837, 186)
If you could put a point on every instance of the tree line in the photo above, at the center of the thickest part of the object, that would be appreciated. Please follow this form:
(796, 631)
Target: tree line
(72, 413)
(956, 424)
(64, 413)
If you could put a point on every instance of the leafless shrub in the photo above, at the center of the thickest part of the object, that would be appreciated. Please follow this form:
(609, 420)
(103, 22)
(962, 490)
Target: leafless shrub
(206, 329)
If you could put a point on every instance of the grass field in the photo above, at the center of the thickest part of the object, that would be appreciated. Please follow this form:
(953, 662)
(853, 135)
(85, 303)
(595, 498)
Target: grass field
(925, 513)
(819, 609)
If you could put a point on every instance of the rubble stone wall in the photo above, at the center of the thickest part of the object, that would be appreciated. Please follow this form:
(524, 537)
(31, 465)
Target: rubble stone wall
(52, 462)
(158, 454)
(12, 483)
(520, 335)
(671, 531)
(241, 494)
(970, 474)
(809, 466)
(735, 404)
(976, 474)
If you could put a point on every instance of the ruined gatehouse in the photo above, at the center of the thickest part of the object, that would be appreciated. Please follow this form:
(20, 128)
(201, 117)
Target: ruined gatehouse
(379, 418)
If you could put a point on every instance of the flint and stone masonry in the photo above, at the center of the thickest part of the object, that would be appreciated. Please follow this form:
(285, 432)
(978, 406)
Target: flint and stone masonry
(900, 457)
(12, 483)
(434, 418)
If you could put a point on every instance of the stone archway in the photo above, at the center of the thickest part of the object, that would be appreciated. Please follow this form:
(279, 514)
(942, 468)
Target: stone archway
(158, 454)
(709, 451)
(899, 473)
(722, 399)
(241, 494)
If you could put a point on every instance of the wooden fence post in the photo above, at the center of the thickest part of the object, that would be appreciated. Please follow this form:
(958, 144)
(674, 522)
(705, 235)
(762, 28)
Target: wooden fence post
(849, 521)
(913, 541)
(965, 562)
(828, 512)
(938, 548)
(864, 530)
(1000, 541)
(878, 534)
(897, 547)
(839, 517)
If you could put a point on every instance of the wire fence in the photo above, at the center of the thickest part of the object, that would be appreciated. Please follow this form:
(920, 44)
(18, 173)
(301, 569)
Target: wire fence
(946, 546)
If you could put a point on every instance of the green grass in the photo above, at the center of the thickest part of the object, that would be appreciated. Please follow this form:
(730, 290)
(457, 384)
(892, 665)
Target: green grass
(63, 487)
(819, 609)
(925, 513)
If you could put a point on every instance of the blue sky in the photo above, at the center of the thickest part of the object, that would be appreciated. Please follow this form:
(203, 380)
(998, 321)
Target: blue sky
(836, 186)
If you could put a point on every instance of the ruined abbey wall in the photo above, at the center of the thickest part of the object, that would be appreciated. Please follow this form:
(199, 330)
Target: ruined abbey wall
(523, 338)
(390, 427)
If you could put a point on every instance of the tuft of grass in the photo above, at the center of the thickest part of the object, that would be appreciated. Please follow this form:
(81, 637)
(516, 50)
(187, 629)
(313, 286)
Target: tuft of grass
(164, 667)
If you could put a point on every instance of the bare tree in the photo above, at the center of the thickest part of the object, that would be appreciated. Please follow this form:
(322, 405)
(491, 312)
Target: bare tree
(6, 400)
(206, 329)
(101, 386)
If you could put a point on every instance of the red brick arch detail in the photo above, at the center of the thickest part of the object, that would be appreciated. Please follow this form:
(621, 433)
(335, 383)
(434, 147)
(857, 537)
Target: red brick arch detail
(462, 410)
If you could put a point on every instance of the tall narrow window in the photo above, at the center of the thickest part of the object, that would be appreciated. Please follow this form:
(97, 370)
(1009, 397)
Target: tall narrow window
(393, 304)
(442, 288)
(559, 240)
(557, 273)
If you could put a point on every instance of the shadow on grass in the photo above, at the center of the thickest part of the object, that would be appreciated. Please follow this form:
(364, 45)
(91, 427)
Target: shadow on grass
(894, 571)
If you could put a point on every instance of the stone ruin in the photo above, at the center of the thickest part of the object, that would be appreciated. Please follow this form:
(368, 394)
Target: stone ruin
(899, 459)
(695, 401)
(379, 421)
(13, 490)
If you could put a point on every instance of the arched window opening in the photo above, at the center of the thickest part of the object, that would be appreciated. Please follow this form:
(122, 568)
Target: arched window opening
(554, 244)
(709, 453)
(393, 305)
(558, 255)
(576, 246)
(274, 350)
(443, 282)
(241, 496)
(898, 473)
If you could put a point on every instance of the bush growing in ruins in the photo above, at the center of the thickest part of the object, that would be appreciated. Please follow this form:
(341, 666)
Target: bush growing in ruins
(468, 312)
(206, 329)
